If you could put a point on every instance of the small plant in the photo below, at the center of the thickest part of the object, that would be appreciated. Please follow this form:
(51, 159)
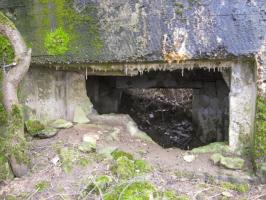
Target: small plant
(237, 187)
(132, 191)
(70, 157)
(126, 167)
(179, 8)
(57, 42)
(260, 135)
(117, 154)
(101, 183)
(171, 195)
(42, 185)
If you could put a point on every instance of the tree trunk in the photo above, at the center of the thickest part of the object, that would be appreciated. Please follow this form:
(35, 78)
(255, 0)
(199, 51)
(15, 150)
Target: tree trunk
(11, 80)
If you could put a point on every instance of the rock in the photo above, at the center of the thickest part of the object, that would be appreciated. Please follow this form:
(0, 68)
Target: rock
(47, 133)
(55, 160)
(80, 116)
(227, 194)
(33, 127)
(189, 158)
(216, 147)
(232, 163)
(135, 132)
(18, 169)
(228, 162)
(113, 136)
(61, 124)
(216, 158)
(107, 151)
(88, 143)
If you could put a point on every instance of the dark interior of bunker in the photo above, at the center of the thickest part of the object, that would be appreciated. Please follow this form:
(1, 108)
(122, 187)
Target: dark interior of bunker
(181, 108)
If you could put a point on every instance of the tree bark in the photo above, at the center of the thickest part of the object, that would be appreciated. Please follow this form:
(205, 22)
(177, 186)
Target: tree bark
(11, 80)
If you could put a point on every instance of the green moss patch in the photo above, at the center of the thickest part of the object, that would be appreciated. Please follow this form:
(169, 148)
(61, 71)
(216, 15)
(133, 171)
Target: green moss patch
(57, 42)
(216, 147)
(13, 143)
(34, 127)
(133, 191)
(117, 154)
(70, 157)
(4, 20)
(3, 115)
(260, 133)
(76, 25)
(237, 187)
(171, 195)
(6, 50)
(126, 167)
(5, 171)
(99, 185)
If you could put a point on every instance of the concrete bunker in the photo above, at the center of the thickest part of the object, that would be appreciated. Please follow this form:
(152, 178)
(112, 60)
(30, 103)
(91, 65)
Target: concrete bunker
(191, 108)
(224, 95)
(227, 86)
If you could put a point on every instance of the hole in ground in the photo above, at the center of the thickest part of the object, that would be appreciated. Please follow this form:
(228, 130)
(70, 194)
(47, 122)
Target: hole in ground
(175, 110)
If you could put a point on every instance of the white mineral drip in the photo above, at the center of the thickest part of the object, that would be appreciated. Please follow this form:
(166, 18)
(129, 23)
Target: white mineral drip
(126, 71)
(182, 71)
(86, 73)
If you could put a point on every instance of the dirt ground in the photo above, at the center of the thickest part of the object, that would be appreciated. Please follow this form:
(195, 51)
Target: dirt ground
(199, 179)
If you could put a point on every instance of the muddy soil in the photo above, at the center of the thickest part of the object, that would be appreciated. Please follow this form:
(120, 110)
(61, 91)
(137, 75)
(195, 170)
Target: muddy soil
(199, 179)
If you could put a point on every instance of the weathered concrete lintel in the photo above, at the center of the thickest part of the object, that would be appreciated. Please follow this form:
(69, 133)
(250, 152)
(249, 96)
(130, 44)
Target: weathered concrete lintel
(133, 68)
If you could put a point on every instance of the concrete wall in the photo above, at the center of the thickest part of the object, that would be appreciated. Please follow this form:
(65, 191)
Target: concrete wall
(154, 28)
(49, 94)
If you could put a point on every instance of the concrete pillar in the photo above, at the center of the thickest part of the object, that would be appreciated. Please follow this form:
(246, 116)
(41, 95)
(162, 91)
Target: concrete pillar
(242, 100)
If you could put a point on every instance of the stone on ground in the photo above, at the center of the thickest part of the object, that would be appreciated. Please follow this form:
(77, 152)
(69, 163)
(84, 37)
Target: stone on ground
(227, 194)
(113, 136)
(216, 158)
(80, 116)
(47, 133)
(135, 132)
(232, 163)
(189, 158)
(216, 147)
(107, 151)
(61, 124)
(228, 162)
(88, 143)
(33, 127)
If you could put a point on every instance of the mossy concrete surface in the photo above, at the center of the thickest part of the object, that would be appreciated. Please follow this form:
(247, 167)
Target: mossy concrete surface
(99, 32)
